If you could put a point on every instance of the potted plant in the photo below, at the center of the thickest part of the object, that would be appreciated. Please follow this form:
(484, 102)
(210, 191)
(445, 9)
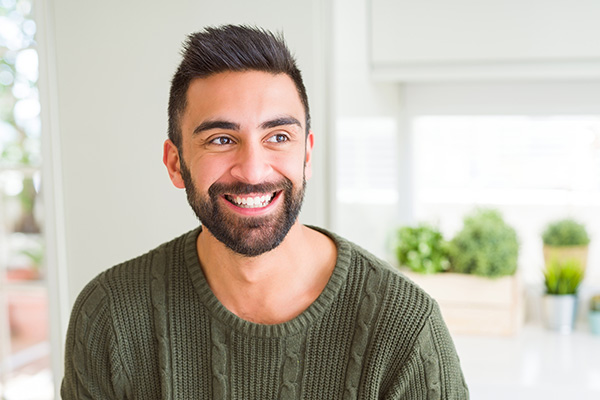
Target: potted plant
(561, 280)
(564, 240)
(594, 315)
(479, 293)
(486, 246)
(422, 249)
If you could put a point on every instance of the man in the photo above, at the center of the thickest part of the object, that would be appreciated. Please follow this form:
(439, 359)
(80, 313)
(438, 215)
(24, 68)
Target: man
(252, 305)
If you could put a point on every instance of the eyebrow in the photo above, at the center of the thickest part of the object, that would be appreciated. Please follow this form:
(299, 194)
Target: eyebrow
(216, 124)
(232, 126)
(273, 123)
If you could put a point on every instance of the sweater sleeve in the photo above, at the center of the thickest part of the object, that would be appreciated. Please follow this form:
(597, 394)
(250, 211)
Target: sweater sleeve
(433, 369)
(93, 368)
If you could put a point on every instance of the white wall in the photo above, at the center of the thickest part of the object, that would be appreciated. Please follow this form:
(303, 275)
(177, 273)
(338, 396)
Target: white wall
(111, 65)
(471, 39)
(359, 100)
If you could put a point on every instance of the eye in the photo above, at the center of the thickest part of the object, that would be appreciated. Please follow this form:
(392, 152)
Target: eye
(278, 138)
(222, 140)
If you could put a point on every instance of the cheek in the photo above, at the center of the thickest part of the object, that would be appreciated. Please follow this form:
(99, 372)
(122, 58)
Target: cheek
(291, 166)
(205, 172)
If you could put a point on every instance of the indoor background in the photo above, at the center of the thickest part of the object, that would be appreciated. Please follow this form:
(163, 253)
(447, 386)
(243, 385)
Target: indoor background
(423, 111)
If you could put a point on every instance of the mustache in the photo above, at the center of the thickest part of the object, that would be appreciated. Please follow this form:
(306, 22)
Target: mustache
(240, 188)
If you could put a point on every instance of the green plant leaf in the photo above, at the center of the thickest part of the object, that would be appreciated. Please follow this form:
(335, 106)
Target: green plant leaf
(486, 246)
(422, 249)
(566, 232)
(563, 277)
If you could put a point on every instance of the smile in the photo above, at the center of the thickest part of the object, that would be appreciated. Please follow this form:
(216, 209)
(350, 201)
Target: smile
(249, 201)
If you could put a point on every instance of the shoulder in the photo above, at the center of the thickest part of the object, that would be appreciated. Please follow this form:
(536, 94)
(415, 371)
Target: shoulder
(407, 332)
(114, 311)
(141, 268)
(399, 299)
(404, 324)
(393, 282)
(131, 281)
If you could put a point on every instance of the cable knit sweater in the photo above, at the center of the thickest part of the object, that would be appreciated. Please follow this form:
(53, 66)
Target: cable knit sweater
(151, 328)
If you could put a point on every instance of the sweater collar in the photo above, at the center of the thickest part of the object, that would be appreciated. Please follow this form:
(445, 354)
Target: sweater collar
(298, 324)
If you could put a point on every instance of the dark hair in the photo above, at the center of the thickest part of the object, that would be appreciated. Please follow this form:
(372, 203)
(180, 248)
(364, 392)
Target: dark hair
(229, 48)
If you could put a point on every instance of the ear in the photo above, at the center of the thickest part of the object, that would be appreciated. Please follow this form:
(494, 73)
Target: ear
(172, 162)
(310, 142)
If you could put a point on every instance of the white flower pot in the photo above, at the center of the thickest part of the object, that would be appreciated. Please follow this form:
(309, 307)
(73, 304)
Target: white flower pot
(560, 312)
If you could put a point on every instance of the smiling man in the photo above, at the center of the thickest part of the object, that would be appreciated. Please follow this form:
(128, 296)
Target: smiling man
(250, 153)
(252, 304)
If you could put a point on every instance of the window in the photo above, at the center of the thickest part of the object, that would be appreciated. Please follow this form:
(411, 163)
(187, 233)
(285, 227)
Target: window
(533, 169)
(24, 345)
(528, 149)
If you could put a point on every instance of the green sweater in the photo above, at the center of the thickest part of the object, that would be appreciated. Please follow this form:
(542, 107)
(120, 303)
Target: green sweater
(151, 328)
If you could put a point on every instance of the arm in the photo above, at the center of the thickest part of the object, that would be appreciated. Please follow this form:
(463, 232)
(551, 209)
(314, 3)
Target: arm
(433, 369)
(92, 364)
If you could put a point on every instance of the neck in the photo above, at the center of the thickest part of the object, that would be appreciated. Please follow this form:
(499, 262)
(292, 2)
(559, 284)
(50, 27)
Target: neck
(275, 286)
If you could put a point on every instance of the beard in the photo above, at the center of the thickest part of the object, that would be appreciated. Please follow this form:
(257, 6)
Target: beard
(247, 236)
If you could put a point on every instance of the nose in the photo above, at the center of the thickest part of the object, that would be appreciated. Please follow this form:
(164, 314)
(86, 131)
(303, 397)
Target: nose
(251, 165)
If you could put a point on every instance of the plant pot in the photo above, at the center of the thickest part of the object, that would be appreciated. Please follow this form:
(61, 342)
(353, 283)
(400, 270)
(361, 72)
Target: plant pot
(475, 305)
(23, 274)
(594, 318)
(28, 318)
(560, 312)
(566, 253)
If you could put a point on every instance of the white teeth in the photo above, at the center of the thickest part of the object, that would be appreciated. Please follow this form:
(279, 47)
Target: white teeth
(251, 202)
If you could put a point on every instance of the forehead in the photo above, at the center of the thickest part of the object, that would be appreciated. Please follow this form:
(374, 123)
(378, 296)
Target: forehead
(249, 96)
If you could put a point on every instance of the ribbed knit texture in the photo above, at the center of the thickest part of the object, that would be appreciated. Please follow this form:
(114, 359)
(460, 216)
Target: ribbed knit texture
(151, 328)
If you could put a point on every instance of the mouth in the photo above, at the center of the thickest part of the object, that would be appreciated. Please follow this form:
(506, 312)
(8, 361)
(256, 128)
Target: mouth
(259, 200)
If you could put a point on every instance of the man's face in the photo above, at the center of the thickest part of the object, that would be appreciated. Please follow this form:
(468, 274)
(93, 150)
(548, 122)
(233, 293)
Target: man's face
(245, 157)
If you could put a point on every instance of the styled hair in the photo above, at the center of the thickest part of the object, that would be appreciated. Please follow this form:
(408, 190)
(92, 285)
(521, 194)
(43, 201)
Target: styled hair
(229, 48)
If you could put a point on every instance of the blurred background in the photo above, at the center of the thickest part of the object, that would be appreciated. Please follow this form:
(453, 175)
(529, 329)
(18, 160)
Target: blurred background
(458, 140)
